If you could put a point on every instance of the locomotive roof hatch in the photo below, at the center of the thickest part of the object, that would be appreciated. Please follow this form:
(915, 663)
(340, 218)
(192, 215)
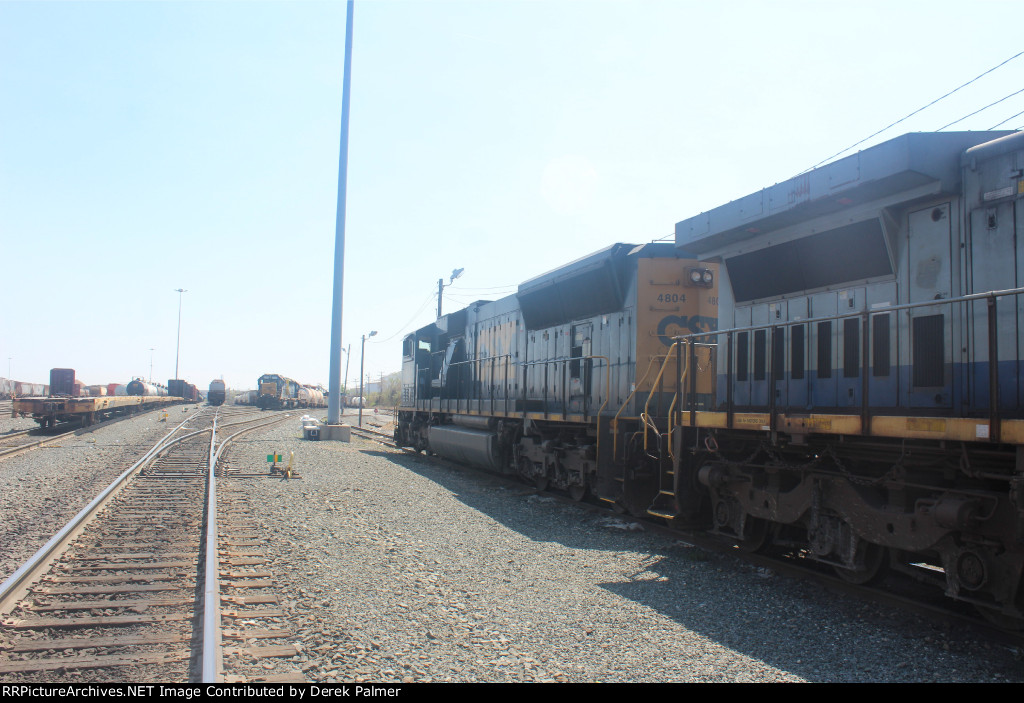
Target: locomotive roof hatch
(589, 286)
(925, 162)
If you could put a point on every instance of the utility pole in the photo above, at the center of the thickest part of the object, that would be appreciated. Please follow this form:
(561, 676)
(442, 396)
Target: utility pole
(151, 357)
(348, 358)
(178, 351)
(362, 355)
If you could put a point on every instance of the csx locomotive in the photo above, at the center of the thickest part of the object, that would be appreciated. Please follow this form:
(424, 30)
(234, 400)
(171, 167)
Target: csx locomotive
(830, 366)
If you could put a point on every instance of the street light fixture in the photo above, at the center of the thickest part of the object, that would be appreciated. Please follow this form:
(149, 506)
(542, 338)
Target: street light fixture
(178, 350)
(362, 353)
(441, 286)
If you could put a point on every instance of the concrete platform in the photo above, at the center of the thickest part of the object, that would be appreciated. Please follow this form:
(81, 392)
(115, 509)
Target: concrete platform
(338, 433)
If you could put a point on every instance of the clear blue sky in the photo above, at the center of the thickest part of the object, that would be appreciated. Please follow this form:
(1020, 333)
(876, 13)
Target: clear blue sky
(151, 146)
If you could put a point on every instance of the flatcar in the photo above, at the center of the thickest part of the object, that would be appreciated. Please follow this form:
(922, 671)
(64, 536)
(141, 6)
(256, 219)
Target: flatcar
(217, 393)
(830, 367)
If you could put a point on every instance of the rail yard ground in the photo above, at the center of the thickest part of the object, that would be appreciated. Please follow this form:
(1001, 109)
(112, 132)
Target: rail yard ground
(397, 568)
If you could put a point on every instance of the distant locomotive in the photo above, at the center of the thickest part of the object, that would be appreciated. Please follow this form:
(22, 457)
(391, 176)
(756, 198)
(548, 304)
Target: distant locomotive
(848, 386)
(276, 392)
(218, 392)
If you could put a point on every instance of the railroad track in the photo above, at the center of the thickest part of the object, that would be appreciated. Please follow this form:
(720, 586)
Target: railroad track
(137, 586)
(18, 442)
(899, 593)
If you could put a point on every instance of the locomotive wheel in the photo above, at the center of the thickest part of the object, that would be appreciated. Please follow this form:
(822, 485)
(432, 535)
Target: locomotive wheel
(541, 482)
(876, 563)
(757, 538)
(577, 492)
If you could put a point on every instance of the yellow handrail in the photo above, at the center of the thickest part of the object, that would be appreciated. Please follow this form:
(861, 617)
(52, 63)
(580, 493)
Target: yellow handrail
(615, 420)
(675, 397)
(645, 416)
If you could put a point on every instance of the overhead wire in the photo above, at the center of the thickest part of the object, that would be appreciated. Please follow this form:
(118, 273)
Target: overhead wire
(983, 109)
(406, 326)
(1007, 120)
(903, 119)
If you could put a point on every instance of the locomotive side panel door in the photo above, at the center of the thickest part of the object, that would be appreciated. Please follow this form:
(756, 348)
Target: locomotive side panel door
(822, 360)
(883, 382)
(929, 277)
(850, 348)
(741, 359)
(579, 367)
(993, 236)
(797, 358)
(777, 351)
(759, 356)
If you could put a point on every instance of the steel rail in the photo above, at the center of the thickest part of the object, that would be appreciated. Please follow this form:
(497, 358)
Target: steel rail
(17, 584)
(213, 659)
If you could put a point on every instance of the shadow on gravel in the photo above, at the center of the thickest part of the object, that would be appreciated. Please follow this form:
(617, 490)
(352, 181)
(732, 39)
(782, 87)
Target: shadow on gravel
(794, 626)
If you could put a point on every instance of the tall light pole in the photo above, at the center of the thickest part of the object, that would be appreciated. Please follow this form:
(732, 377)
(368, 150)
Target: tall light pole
(362, 399)
(334, 382)
(178, 351)
(152, 348)
(441, 286)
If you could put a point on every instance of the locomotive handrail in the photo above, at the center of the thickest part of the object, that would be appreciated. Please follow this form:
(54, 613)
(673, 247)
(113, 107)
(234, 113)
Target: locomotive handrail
(645, 415)
(973, 297)
(615, 420)
(682, 377)
(991, 297)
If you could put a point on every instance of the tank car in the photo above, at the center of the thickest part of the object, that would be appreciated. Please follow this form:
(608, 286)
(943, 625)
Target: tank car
(310, 397)
(217, 393)
(139, 387)
(276, 392)
(869, 397)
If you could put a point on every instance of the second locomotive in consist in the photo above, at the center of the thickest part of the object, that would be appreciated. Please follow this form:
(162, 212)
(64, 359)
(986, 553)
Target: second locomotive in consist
(831, 366)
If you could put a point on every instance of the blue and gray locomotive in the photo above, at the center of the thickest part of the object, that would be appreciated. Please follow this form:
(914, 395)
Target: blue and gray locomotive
(830, 366)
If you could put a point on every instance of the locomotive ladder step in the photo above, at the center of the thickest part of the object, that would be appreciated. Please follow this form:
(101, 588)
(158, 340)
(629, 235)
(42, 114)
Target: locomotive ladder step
(661, 514)
(667, 493)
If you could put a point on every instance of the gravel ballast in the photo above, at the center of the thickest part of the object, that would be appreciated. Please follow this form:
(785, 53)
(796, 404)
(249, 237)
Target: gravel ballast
(42, 489)
(397, 568)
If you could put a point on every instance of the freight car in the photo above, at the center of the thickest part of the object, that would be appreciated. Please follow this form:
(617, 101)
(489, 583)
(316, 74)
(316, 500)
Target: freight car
(848, 387)
(246, 397)
(277, 392)
(140, 387)
(217, 393)
(311, 397)
(183, 389)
